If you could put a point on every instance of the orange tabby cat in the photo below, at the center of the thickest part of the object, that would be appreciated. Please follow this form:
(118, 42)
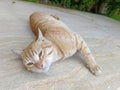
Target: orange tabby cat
(54, 41)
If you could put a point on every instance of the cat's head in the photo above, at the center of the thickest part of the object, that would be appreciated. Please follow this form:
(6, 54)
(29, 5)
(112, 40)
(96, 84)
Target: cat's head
(38, 55)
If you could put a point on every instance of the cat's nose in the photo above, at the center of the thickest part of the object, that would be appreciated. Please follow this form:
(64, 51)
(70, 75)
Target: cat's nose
(40, 66)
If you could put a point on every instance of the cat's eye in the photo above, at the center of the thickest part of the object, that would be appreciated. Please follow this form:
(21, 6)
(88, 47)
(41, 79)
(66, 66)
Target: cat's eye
(30, 63)
(40, 54)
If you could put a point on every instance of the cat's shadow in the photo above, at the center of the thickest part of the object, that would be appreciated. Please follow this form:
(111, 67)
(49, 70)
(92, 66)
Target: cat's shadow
(67, 65)
(79, 58)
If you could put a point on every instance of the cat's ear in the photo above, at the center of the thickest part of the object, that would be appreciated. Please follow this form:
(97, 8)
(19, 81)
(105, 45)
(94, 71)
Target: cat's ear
(17, 52)
(40, 35)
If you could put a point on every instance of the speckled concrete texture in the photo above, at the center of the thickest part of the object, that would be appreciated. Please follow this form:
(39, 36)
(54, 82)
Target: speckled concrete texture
(101, 33)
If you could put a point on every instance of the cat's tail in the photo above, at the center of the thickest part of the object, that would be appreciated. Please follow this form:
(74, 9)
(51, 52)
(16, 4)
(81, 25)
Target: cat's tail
(55, 16)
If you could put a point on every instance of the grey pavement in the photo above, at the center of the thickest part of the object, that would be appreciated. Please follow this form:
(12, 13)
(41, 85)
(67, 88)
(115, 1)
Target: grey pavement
(101, 33)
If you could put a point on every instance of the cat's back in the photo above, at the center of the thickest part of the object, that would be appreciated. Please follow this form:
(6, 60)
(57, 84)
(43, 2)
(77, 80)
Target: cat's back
(46, 22)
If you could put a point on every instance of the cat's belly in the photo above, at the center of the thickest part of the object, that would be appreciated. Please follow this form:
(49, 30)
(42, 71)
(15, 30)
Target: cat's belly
(65, 41)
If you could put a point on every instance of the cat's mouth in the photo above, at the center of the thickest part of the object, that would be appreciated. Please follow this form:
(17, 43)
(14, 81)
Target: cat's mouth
(42, 66)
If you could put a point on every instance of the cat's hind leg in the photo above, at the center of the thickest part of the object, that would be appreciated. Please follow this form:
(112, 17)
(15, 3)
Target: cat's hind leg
(89, 59)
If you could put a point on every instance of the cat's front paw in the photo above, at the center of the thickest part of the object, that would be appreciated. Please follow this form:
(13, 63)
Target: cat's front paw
(95, 69)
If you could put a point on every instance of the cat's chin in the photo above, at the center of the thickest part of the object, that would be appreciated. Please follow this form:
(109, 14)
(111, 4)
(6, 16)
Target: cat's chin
(44, 70)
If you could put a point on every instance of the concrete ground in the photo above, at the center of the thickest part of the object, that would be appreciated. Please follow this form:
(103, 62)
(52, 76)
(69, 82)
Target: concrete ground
(101, 33)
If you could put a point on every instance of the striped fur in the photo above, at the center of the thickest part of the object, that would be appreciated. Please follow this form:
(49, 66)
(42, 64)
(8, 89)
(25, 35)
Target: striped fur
(58, 43)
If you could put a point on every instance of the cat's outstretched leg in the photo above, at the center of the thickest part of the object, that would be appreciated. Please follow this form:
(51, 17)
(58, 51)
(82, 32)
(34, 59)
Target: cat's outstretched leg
(85, 51)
